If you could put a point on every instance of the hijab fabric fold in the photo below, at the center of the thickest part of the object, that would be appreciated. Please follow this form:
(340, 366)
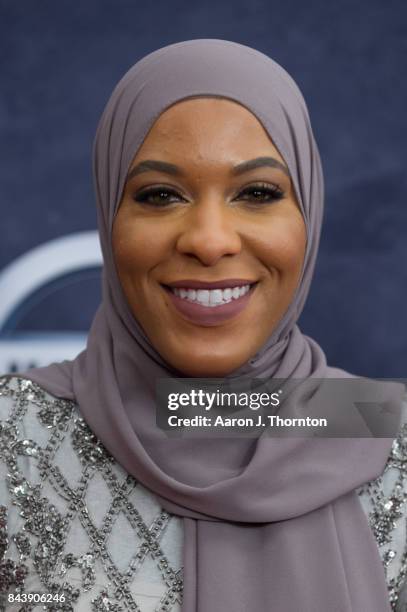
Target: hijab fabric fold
(269, 525)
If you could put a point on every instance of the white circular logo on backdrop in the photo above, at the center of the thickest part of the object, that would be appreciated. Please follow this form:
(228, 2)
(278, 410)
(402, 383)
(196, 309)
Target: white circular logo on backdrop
(22, 279)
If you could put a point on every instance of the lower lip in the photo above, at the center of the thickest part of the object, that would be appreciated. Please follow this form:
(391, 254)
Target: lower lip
(207, 315)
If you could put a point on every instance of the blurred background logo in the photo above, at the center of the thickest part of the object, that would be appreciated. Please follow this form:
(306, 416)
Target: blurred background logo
(45, 274)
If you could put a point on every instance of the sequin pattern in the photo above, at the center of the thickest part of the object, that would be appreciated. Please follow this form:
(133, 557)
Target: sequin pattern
(385, 502)
(40, 540)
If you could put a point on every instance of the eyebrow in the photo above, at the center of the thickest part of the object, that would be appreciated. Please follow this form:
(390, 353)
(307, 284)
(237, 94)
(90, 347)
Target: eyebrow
(161, 166)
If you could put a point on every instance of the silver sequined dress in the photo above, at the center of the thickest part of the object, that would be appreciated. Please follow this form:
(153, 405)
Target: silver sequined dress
(78, 533)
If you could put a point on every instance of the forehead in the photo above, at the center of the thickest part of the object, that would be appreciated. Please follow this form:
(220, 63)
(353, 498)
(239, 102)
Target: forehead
(208, 124)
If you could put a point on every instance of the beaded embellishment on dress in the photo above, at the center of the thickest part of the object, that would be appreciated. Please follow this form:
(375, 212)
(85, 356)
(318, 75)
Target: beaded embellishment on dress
(45, 526)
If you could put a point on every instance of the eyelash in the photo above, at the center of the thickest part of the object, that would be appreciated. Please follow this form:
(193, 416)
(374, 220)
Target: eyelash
(272, 191)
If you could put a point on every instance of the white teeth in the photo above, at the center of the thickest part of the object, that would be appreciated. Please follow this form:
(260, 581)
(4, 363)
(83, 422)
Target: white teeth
(227, 294)
(211, 297)
(202, 296)
(215, 297)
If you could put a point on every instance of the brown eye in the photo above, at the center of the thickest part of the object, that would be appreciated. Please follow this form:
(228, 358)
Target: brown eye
(262, 193)
(156, 196)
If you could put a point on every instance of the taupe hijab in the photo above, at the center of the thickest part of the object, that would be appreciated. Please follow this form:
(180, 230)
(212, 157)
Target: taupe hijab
(270, 525)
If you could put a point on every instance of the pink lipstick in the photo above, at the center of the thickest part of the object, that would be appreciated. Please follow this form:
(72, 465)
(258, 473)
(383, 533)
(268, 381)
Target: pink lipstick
(210, 303)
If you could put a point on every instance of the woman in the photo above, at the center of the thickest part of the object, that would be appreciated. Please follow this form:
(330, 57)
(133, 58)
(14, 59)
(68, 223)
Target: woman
(210, 199)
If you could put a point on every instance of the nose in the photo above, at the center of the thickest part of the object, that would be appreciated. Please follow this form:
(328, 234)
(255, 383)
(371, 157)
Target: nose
(209, 232)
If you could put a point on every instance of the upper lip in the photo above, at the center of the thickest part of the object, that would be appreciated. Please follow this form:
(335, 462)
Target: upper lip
(220, 284)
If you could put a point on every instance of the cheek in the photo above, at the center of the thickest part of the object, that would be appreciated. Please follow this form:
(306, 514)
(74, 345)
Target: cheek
(137, 245)
(282, 245)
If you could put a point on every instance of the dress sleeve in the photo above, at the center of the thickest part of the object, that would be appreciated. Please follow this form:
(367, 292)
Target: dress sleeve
(385, 503)
(14, 545)
(77, 532)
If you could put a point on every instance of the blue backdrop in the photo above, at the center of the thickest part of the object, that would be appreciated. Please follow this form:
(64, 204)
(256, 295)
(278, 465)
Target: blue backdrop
(59, 62)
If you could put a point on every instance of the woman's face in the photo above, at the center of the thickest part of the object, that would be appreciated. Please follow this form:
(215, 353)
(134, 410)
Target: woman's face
(198, 223)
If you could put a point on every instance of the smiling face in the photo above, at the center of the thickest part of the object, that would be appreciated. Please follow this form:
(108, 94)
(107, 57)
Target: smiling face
(204, 222)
